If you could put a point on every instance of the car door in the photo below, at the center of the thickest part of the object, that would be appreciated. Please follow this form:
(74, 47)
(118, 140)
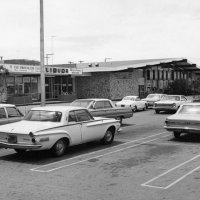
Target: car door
(90, 128)
(14, 114)
(3, 116)
(74, 128)
(138, 103)
(98, 109)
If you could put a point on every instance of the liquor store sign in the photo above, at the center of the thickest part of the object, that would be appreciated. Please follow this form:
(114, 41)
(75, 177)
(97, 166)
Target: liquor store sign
(26, 69)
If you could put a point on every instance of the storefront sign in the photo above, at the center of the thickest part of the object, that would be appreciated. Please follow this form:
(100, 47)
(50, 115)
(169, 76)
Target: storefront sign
(22, 68)
(36, 70)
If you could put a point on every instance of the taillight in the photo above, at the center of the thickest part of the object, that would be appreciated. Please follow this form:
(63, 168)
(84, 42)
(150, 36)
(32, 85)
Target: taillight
(174, 105)
(32, 137)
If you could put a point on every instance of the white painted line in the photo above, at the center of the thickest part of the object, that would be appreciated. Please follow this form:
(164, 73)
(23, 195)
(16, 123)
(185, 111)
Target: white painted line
(181, 178)
(131, 141)
(84, 160)
(172, 169)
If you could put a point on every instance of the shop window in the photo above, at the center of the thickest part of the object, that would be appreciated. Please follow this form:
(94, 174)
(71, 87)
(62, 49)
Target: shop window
(166, 75)
(27, 85)
(154, 75)
(10, 85)
(148, 74)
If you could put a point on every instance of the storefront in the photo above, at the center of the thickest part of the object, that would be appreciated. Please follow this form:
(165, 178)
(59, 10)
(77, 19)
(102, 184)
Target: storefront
(23, 83)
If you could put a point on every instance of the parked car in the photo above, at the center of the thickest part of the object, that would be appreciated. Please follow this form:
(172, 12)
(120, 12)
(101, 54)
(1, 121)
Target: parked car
(152, 98)
(9, 113)
(103, 108)
(133, 102)
(169, 103)
(56, 128)
(185, 120)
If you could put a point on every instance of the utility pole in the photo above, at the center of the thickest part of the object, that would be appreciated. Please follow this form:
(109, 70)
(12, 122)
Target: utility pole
(42, 67)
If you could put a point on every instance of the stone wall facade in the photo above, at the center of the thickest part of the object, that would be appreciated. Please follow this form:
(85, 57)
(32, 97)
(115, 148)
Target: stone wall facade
(95, 86)
(111, 85)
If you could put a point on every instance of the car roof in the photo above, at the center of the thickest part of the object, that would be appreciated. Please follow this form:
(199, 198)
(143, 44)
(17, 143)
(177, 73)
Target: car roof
(6, 105)
(174, 95)
(131, 96)
(58, 108)
(93, 99)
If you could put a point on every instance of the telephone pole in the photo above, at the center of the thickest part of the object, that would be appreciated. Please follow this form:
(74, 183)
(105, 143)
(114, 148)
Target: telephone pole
(42, 67)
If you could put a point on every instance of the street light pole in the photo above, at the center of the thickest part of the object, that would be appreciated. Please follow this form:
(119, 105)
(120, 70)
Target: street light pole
(42, 67)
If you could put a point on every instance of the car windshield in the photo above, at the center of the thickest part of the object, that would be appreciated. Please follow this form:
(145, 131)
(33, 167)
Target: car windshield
(171, 98)
(190, 109)
(153, 96)
(81, 103)
(43, 115)
(129, 98)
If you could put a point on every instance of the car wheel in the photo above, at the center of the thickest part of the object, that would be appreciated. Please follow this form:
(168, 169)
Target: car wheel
(59, 148)
(20, 151)
(157, 111)
(144, 108)
(177, 135)
(134, 109)
(120, 119)
(108, 137)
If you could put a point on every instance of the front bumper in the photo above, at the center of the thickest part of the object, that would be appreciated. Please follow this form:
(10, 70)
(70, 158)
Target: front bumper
(20, 145)
(183, 129)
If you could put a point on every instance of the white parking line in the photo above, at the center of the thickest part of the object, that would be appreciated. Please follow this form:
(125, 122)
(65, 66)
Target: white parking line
(40, 168)
(152, 183)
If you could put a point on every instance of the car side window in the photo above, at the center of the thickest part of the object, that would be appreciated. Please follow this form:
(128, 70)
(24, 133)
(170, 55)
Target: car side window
(99, 105)
(72, 117)
(13, 112)
(2, 113)
(82, 115)
(107, 104)
(183, 98)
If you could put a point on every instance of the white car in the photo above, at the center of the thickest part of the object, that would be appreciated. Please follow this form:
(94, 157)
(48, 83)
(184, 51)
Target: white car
(185, 120)
(9, 113)
(56, 128)
(169, 103)
(133, 102)
(152, 98)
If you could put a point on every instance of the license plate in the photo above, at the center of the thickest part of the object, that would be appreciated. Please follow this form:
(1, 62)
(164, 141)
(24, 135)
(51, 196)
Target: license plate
(122, 105)
(12, 139)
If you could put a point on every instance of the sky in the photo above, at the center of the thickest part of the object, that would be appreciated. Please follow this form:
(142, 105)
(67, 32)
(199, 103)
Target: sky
(92, 30)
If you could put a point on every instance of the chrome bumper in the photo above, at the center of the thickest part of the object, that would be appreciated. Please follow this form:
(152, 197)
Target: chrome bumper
(19, 145)
(183, 129)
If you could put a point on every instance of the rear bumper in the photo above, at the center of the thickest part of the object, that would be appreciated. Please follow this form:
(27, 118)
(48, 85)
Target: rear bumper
(183, 129)
(20, 146)
(165, 108)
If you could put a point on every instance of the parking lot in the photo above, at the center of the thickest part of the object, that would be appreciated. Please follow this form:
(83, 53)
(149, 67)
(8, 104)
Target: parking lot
(144, 162)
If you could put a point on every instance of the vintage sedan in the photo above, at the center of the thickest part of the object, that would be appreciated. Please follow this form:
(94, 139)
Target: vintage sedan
(152, 98)
(133, 102)
(103, 108)
(9, 113)
(169, 103)
(185, 120)
(56, 128)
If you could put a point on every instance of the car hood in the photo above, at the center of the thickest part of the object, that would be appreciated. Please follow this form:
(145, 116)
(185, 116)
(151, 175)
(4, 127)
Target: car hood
(184, 117)
(24, 127)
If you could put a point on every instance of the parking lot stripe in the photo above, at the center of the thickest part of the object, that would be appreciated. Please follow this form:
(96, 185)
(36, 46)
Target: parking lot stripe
(174, 175)
(85, 157)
